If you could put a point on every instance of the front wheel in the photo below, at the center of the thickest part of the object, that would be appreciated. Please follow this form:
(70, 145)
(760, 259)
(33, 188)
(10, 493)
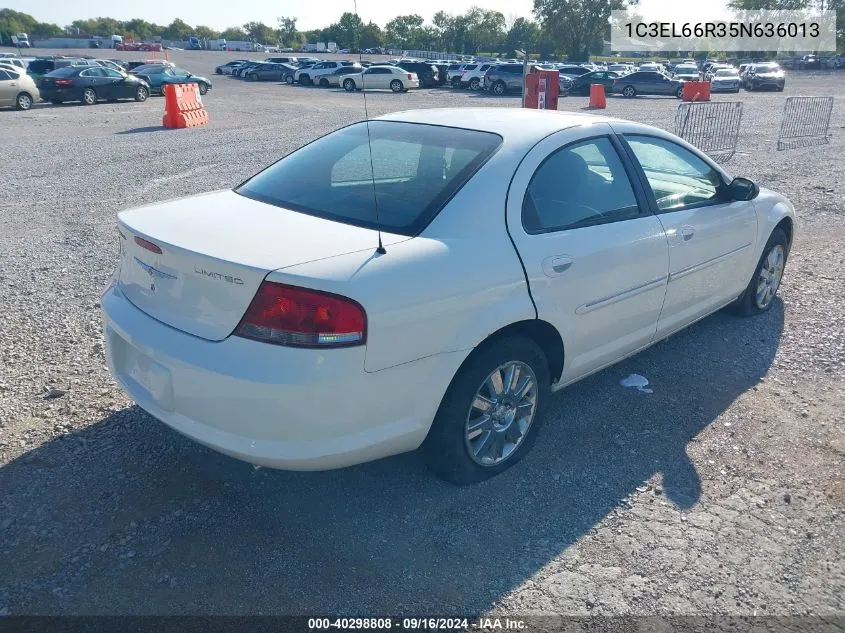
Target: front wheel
(24, 101)
(203, 88)
(396, 86)
(252, 77)
(141, 94)
(629, 91)
(489, 417)
(348, 85)
(324, 83)
(680, 92)
(474, 83)
(89, 97)
(289, 80)
(499, 88)
(304, 80)
(456, 82)
(761, 290)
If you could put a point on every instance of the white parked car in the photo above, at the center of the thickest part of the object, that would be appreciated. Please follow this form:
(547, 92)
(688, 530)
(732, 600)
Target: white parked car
(474, 77)
(725, 80)
(294, 323)
(380, 78)
(688, 72)
(317, 74)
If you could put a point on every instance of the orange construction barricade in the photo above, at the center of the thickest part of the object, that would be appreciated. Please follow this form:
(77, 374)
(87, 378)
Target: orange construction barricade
(597, 98)
(183, 106)
(696, 91)
(542, 89)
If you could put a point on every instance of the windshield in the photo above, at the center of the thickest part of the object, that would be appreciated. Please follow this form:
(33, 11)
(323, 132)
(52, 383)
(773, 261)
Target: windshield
(727, 73)
(768, 68)
(416, 168)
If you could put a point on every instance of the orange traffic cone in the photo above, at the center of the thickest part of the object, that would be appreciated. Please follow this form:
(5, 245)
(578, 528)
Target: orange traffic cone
(597, 98)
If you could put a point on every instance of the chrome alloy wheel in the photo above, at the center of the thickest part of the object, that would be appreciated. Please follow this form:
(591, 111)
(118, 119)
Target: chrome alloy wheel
(770, 275)
(501, 413)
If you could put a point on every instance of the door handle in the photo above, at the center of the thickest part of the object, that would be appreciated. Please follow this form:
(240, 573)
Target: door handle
(557, 264)
(686, 233)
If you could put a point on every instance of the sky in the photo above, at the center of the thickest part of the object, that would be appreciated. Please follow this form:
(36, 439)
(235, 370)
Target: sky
(311, 14)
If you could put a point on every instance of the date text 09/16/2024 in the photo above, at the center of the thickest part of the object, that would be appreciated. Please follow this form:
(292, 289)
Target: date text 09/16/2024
(418, 624)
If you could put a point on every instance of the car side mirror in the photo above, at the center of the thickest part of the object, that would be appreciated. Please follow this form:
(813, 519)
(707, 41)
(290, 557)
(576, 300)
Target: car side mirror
(742, 189)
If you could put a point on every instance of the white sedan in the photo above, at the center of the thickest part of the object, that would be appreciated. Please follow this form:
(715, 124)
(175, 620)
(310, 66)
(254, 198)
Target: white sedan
(725, 80)
(381, 78)
(428, 279)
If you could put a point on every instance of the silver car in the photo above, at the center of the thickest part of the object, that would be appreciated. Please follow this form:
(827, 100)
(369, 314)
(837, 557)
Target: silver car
(648, 83)
(17, 88)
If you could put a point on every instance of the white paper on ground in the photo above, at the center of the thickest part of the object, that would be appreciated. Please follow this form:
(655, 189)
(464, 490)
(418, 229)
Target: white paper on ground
(637, 381)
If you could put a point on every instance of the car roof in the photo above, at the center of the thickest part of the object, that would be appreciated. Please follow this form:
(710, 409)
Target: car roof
(512, 124)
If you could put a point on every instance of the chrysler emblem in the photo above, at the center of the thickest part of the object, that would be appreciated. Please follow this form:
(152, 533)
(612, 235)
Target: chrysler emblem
(153, 272)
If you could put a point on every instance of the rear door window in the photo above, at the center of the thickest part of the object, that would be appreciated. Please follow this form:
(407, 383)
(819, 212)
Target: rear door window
(414, 171)
(582, 184)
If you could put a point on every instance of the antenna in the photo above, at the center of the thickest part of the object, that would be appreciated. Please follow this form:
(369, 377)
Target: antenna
(380, 249)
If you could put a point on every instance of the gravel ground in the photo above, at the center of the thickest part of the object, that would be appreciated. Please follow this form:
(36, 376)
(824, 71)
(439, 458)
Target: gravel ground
(722, 492)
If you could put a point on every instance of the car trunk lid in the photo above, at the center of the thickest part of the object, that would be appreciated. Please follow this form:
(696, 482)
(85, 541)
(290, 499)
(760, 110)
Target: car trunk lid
(196, 263)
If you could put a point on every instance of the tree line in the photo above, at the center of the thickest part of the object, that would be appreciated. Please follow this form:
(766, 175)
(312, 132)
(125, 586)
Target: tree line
(574, 28)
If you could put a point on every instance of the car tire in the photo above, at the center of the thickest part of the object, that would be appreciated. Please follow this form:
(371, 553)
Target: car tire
(450, 451)
(304, 80)
(142, 94)
(499, 88)
(349, 85)
(23, 101)
(203, 87)
(474, 83)
(629, 91)
(759, 295)
(289, 80)
(89, 96)
(456, 82)
(396, 86)
(324, 83)
(679, 93)
(217, 71)
(252, 77)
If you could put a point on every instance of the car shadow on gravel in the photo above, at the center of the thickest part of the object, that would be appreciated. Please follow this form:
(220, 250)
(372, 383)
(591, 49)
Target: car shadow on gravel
(143, 130)
(126, 516)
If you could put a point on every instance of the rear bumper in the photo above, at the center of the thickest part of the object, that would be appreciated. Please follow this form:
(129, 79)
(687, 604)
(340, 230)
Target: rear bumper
(295, 409)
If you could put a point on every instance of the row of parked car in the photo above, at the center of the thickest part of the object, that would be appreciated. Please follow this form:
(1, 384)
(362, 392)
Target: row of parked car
(501, 77)
(400, 76)
(24, 81)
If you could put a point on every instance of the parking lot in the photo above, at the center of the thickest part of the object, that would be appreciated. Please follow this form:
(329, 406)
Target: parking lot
(722, 492)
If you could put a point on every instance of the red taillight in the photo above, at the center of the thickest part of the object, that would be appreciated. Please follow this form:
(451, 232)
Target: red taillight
(297, 317)
(63, 82)
(140, 241)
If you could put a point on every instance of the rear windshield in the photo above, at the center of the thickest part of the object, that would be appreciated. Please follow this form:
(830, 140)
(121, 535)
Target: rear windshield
(41, 65)
(416, 169)
(67, 71)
